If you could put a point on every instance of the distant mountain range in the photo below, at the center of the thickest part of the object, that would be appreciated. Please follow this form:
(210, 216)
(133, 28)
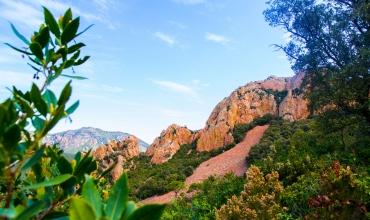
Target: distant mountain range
(72, 141)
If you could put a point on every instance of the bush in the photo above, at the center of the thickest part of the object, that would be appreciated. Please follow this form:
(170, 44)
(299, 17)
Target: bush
(259, 200)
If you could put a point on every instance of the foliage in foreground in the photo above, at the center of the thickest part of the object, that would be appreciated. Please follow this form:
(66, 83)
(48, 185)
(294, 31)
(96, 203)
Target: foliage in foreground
(37, 182)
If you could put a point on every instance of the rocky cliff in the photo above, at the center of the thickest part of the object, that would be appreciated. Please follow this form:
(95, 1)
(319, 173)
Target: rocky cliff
(280, 96)
(116, 153)
(168, 143)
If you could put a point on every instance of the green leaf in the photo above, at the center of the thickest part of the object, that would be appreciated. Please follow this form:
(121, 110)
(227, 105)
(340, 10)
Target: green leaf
(38, 123)
(67, 18)
(69, 63)
(81, 61)
(130, 208)
(71, 182)
(11, 138)
(70, 31)
(74, 77)
(31, 161)
(71, 109)
(31, 210)
(84, 30)
(19, 35)
(76, 55)
(75, 47)
(57, 180)
(49, 55)
(37, 70)
(57, 116)
(66, 93)
(37, 169)
(8, 213)
(148, 212)
(91, 194)
(38, 101)
(80, 209)
(49, 97)
(19, 50)
(82, 167)
(55, 58)
(64, 166)
(36, 61)
(107, 170)
(78, 158)
(37, 50)
(116, 203)
(43, 37)
(55, 215)
(51, 22)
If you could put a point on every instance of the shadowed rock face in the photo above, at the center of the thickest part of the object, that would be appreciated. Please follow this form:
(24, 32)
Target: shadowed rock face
(124, 150)
(242, 106)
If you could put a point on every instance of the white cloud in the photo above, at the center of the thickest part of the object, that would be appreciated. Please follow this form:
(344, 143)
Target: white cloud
(189, 2)
(216, 38)
(29, 12)
(112, 88)
(175, 87)
(61, 7)
(206, 84)
(9, 78)
(20, 12)
(196, 81)
(177, 24)
(102, 4)
(169, 40)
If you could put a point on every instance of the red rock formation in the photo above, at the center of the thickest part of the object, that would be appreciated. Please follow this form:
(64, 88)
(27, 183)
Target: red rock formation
(166, 145)
(242, 106)
(121, 150)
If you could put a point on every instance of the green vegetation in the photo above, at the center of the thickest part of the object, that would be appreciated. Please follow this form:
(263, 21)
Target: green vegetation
(278, 96)
(214, 192)
(156, 179)
(36, 181)
(240, 130)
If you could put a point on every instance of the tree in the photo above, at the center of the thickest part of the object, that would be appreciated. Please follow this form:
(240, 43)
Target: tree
(330, 42)
(37, 181)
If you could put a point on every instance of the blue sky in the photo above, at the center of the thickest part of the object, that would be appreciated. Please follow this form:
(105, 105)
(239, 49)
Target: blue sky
(153, 63)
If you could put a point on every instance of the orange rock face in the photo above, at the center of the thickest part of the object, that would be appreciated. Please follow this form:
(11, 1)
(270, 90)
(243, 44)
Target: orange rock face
(242, 106)
(166, 145)
(121, 150)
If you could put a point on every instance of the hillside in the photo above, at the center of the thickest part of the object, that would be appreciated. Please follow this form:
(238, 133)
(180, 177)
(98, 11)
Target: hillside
(72, 141)
(232, 160)
(279, 96)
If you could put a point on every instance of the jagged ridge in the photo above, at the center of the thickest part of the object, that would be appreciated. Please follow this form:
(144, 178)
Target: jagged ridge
(247, 102)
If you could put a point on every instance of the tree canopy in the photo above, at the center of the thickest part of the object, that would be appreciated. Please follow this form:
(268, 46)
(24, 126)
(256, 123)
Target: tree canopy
(330, 41)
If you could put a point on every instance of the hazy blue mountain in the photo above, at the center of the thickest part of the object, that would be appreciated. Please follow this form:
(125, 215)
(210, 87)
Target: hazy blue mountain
(72, 141)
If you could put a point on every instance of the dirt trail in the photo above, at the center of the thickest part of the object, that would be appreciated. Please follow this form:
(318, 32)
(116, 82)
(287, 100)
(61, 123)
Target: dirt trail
(232, 160)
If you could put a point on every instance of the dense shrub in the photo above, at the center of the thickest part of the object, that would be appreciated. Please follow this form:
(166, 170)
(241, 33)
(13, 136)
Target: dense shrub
(259, 200)
(240, 130)
(214, 192)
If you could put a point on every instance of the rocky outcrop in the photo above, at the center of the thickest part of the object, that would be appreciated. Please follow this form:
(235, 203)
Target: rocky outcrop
(116, 153)
(242, 106)
(250, 101)
(168, 143)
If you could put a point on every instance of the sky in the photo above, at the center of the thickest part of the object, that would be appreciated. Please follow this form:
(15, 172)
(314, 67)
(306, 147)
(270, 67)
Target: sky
(153, 63)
